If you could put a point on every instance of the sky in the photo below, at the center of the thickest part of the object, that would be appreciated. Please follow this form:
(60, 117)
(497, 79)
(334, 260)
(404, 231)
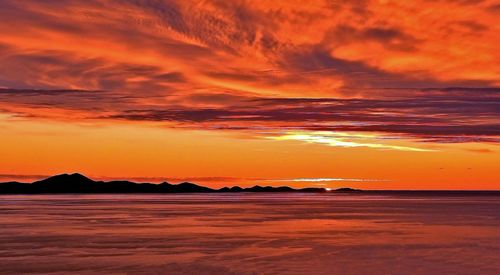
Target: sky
(366, 94)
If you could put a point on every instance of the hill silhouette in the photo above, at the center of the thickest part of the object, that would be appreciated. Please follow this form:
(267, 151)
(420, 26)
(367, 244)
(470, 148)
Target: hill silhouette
(78, 183)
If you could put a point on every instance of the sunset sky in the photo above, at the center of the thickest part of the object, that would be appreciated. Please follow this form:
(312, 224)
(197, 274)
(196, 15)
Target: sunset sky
(367, 94)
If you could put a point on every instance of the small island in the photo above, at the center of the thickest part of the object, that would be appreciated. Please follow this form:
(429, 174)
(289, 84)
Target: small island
(80, 184)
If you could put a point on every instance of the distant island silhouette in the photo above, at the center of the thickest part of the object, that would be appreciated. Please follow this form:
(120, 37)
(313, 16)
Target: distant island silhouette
(78, 183)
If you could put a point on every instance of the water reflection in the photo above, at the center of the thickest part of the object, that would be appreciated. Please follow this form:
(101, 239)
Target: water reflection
(249, 233)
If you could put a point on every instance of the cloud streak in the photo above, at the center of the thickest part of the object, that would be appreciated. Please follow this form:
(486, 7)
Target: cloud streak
(331, 139)
(326, 180)
(430, 115)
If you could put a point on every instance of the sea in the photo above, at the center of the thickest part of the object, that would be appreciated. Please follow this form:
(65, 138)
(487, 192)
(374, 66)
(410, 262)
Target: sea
(251, 233)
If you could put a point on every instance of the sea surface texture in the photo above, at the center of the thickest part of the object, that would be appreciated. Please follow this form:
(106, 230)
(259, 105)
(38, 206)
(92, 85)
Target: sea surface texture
(250, 234)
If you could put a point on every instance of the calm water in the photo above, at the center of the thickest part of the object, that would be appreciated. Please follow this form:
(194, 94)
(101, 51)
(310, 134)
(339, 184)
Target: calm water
(249, 234)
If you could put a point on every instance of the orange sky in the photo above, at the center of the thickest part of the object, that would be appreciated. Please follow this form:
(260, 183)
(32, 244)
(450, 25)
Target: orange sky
(369, 94)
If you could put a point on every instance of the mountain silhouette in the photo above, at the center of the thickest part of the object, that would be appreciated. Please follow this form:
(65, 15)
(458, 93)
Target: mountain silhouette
(78, 183)
(65, 183)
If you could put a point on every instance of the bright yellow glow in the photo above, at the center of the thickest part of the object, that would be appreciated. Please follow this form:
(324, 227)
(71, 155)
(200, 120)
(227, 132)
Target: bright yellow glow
(339, 140)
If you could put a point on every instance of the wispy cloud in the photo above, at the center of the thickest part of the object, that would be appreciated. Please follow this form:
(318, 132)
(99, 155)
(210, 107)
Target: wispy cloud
(21, 177)
(342, 140)
(438, 115)
(325, 180)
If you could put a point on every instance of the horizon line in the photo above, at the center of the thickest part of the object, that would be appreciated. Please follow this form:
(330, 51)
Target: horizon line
(256, 185)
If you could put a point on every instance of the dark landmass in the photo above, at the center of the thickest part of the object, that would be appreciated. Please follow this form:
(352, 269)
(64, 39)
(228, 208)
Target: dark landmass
(77, 183)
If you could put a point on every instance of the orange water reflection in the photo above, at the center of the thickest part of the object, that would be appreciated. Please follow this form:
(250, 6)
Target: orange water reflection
(249, 233)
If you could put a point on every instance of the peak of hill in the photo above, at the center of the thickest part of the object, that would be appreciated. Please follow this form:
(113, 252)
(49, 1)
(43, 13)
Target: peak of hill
(74, 178)
(78, 183)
